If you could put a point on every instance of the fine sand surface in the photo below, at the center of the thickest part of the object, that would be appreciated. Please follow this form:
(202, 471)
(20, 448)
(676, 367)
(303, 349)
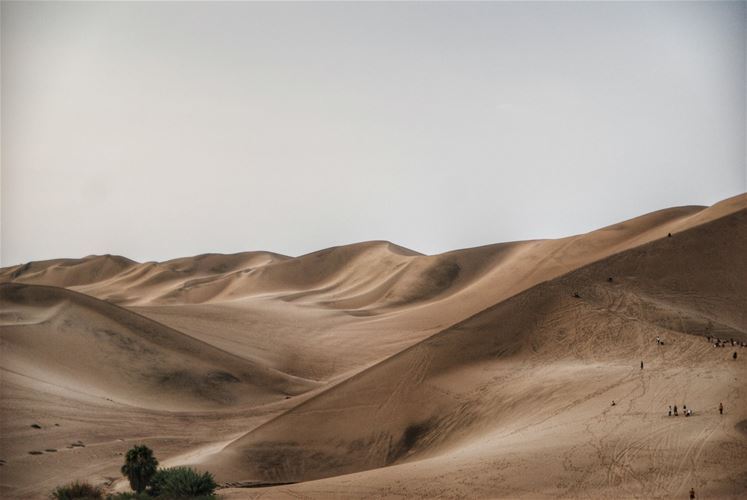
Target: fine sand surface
(370, 370)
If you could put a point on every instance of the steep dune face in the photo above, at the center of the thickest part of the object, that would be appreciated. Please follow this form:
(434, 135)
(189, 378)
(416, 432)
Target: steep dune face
(95, 348)
(474, 378)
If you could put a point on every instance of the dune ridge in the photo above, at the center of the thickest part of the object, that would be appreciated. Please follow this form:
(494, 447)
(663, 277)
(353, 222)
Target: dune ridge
(400, 275)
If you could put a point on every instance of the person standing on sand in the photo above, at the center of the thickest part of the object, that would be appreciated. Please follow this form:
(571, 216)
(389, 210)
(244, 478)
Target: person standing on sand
(721, 408)
(734, 356)
(675, 410)
(670, 410)
(692, 493)
(641, 365)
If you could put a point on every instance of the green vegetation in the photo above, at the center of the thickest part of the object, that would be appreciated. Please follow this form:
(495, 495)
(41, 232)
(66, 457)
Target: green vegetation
(148, 481)
(77, 490)
(182, 482)
(139, 467)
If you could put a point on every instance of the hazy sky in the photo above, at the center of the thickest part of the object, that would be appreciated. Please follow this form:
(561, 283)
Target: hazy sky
(156, 130)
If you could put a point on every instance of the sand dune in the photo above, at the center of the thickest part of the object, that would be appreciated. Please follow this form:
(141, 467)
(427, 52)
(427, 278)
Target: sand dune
(370, 370)
(367, 275)
(325, 331)
(457, 385)
(124, 357)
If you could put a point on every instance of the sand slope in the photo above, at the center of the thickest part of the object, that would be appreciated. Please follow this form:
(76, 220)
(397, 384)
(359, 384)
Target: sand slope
(93, 347)
(459, 384)
(370, 370)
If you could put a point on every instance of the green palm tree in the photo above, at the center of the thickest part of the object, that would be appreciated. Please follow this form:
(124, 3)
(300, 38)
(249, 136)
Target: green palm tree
(139, 467)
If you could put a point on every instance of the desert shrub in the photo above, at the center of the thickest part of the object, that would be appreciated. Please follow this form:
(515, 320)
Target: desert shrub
(139, 467)
(77, 490)
(182, 482)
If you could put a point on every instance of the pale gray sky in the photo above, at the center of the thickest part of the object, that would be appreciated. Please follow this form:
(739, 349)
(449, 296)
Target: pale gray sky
(156, 130)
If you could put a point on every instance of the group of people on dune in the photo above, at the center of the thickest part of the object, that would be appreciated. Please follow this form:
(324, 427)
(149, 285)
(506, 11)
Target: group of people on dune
(674, 410)
(717, 342)
(685, 410)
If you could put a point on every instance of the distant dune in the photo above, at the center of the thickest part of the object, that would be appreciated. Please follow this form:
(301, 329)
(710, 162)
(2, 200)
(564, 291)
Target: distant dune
(370, 370)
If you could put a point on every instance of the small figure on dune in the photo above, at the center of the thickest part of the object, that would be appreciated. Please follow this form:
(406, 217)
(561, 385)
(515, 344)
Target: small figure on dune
(675, 410)
(670, 410)
(613, 402)
(641, 365)
(669, 235)
(734, 356)
(721, 408)
(692, 493)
